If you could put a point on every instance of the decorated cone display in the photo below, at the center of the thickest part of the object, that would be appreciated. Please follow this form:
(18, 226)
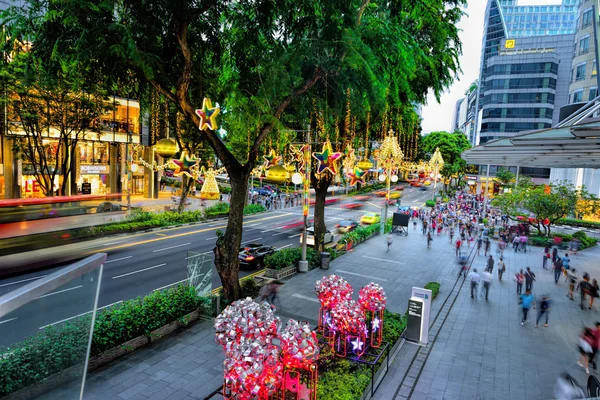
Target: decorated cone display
(330, 291)
(210, 188)
(299, 353)
(350, 328)
(372, 299)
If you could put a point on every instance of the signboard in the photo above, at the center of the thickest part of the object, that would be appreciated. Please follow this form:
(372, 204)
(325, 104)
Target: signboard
(199, 272)
(414, 322)
(86, 188)
(95, 169)
(425, 296)
(509, 44)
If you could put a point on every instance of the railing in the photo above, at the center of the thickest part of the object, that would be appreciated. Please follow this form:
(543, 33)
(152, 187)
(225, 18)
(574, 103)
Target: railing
(46, 330)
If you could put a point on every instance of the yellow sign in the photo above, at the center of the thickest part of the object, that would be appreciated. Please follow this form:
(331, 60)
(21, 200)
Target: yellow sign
(509, 44)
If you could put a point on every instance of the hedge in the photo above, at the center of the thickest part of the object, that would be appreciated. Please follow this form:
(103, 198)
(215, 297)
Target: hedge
(290, 256)
(218, 210)
(434, 287)
(585, 241)
(430, 203)
(579, 223)
(58, 347)
(253, 209)
(360, 233)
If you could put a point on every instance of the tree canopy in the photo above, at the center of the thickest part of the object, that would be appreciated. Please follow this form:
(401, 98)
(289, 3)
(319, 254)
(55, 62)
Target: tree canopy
(451, 145)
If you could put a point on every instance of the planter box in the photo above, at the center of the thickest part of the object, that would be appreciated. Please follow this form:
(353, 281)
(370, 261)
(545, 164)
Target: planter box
(281, 273)
(117, 352)
(47, 385)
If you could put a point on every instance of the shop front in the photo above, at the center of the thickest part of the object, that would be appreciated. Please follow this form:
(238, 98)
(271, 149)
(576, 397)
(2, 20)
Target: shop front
(94, 179)
(479, 184)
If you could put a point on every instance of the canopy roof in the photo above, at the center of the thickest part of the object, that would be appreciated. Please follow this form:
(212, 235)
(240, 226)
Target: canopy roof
(574, 143)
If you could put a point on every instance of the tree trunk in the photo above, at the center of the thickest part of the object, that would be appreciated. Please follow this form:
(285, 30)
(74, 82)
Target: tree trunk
(227, 249)
(320, 186)
(186, 184)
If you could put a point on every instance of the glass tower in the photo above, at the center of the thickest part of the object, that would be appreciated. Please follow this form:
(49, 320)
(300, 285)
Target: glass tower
(539, 19)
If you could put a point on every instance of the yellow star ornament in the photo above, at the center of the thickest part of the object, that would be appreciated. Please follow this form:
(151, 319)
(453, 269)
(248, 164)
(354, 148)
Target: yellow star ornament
(208, 115)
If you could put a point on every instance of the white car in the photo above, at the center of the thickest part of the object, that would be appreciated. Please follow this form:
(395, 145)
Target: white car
(310, 236)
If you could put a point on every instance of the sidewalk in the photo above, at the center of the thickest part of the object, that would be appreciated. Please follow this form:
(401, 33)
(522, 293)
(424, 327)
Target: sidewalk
(481, 352)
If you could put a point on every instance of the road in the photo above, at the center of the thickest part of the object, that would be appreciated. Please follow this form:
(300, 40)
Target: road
(139, 264)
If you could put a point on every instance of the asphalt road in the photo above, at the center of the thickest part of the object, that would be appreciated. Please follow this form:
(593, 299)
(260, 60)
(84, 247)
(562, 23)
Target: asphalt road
(139, 264)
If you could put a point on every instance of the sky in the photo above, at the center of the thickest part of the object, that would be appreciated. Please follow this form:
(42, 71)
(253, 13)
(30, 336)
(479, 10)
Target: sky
(438, 116)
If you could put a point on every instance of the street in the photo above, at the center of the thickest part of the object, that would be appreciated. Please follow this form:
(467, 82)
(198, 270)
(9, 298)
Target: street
(138, 264)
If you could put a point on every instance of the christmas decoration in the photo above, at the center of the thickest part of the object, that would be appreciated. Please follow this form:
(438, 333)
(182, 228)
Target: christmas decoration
(365, 165)
(350, 327)
(277, 174)
(185, 164)
(327, 159)
(165, 148)
(357, 175)
(208, 115)
(272, 159)
(210, 188)
(349, 158)
(390, 154)
(372, 299)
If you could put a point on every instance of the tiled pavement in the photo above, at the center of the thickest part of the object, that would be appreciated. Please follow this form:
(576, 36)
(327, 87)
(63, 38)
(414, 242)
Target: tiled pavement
(481, 351)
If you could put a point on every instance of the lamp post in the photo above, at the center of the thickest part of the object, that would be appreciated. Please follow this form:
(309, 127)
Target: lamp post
(303, 177)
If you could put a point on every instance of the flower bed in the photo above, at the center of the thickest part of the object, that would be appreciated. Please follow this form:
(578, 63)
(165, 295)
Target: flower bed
(585, 241)
(360, 234)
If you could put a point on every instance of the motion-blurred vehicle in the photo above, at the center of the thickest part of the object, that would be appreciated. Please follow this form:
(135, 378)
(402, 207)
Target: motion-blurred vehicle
(380, 193)
(395, 195)
(310, 236)
(370, 218)
(361, 198)
(399, 187)
(423, 188)
(328, 201)
(346, 226)
(352, 206)
(298, 223)
(262, 191)
(254, 257)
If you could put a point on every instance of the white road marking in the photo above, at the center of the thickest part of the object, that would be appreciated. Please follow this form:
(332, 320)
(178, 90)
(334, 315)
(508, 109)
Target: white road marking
(22, 280)
(117, 259)
(251, 240)
(283, 247)
(216, 224)
(140, 270)
(60, 291)
(171, 284)
(300, 296)
(341, 271)
(106, 244)
(269, 230)
(8, 320)
(279, 233)
(211, 238)
(172, 247)
(383, 259)
(293, 236)
(79, 315)
(247, 226)
(108, 305)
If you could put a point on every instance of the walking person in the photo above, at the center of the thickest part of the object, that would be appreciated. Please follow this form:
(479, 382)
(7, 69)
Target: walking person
(546, 256)
(429, 239)
(479, 244)
(566, 263)
(486, 278)
(474, 278)
(558, 268)
(595, 345)
(529, 278)
(501, 247)
(519, 278)
(501, 268)
(543, 309)
(389, 242)
(458, 244)
(487, 246)
(594, 289)
(585, 349)
(584, 289)
(516, 242)
(573, 278)
(527, 300)
(490, 265)
(523, 241)
(451, 234)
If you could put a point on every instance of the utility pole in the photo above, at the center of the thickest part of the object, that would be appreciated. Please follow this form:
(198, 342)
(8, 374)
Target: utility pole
(303, 264)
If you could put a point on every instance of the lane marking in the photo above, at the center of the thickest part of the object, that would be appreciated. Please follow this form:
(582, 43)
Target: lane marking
(211, 238)
(341, 271)
(283, 247)
(8, 320)
(117, 259)
(251, 240)
(269, 230)
(171, 284)
(279, 233)
(177, 235)
(300, 296)
(22, 280)
(215, 224)
(60, 291)
(160, 234)
(293, 236)
(383, 259)
(140, 270)
(172, 247)
(108, 244)
(248, 226)
(79, 315)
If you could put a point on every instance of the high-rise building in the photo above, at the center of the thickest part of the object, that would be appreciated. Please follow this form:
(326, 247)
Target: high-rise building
(464, 114)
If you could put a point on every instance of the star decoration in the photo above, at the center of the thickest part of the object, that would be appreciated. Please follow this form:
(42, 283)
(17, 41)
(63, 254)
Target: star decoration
(328, 320)
(184, 164)
(375, 324)
(357, 344)
(356, 176)
(327, 159)
(272, 159)
(304, 392)
(208, 115)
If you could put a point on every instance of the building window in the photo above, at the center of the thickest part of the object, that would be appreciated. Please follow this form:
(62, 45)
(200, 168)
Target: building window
(577, 96)
(580, 72)
(584, 45)
(594, 72)
(586, 19)
(593, 93)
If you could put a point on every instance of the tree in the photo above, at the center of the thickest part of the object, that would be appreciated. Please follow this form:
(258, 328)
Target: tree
(451, 145)
(541, 206)
(264, 61)
(48, 114)
(505, 177)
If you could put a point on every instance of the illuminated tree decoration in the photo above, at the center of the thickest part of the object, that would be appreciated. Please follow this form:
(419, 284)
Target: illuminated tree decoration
(272, 159)
(277, 174)
(210, 188)
(185, 164)
(208, 115)
(349, 158)
(390, 153)
(436, 164)
(357, 175)
(327, 159)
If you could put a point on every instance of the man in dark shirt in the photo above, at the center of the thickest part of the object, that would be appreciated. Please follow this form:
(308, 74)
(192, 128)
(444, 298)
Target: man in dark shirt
(529, 278)
(558, 266)
(584, 289)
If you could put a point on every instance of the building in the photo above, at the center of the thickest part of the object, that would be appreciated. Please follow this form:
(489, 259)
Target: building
(464, 114)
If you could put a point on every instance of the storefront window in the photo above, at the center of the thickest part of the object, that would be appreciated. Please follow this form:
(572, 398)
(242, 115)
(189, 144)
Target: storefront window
(86, 151)
(100, 153)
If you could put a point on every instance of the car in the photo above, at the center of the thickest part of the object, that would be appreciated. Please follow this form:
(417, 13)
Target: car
(346, 226)
(262, 192)
(423, 188)
(310, 237)
(328, 201)
(399, 187)
(352, 206)
(361, 198)
(254, 257)
(298, 223)
(370, 218)
(395, 195)
(380, 193)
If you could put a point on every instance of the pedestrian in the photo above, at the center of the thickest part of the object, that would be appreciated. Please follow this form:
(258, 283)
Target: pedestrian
(523, 241)
(595, 344)
(593, 294)
(585, 349)
(529, 278)
(501, 268)
(486, 278)
(501, 246)
(516, 242)
(414, 224)
(490, 265)
(573, 278)
(389, 242)
(429, 239)
(519, 278)
(558, 268)
(584, 289)
(479, 244)
(451, 233)
(474, 278)
(527, 300)
(458, 244)
(544, 308)
(554, 254)
(546, 256)
(487, 246)
(566, 261)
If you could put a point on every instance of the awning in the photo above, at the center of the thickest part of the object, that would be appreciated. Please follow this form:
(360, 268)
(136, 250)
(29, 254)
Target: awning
(575, 143)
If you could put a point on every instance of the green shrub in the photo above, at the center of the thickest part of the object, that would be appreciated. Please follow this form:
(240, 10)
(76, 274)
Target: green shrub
(284, 258)
(253, 209)
(541, 241)
(360, 233)
(250, 289)
(218, 210)
(430, 203)
(579, 223)
(225, 189)
(434, 287)
(579, 235)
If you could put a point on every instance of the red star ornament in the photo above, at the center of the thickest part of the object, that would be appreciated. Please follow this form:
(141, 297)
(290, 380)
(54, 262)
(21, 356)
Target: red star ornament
(208, 115)
(327, 159)
(356, 176)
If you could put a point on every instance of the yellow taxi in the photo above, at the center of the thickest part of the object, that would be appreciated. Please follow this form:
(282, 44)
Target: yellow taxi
(370, 218)
(395, 195)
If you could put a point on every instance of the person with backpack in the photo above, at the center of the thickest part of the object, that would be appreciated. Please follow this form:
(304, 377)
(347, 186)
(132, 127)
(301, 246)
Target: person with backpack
(544, 309)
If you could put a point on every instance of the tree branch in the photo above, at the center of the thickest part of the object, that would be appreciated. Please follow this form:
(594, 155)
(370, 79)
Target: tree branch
(361, 10)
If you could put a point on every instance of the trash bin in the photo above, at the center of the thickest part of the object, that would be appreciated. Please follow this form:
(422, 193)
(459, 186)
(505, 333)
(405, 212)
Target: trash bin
(325, 258)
